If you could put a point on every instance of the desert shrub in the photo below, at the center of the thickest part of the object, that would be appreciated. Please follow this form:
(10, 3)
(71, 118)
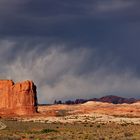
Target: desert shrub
(48, 130)
(124, 124)
(42, 131)
(128, 134)
(101, 138)
(98, 126)
(10, 138)
(86, 137)
(31, 136)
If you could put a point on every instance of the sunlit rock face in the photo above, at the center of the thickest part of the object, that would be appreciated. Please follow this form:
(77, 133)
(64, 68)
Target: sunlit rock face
(19, 98)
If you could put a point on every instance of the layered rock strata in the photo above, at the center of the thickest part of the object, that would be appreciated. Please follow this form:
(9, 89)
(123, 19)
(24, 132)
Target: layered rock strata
(19, 98)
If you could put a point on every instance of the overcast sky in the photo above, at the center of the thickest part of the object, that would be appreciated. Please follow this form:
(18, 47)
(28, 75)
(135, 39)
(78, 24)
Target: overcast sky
(72, 48)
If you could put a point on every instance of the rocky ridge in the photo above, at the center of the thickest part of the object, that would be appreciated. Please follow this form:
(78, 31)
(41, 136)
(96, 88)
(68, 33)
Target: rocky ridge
(109, 99)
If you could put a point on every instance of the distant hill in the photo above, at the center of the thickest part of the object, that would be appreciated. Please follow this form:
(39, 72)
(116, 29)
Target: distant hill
(115, 99)
(109, 99)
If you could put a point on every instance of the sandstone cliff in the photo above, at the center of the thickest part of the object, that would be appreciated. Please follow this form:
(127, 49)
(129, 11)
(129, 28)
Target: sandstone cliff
(19, 98)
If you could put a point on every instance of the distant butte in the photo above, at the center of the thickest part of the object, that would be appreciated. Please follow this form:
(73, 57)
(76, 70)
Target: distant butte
(19, 98)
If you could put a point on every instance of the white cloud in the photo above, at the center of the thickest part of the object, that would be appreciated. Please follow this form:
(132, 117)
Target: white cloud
(113, 5)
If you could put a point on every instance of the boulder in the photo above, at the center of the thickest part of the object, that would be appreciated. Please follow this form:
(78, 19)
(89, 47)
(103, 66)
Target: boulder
(19, 98)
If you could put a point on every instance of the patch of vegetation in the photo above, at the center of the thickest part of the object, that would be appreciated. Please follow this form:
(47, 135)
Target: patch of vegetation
(128, 134)
(77, 131)
(48, 130)
(43, 131)
(98, 126)
(10, 138)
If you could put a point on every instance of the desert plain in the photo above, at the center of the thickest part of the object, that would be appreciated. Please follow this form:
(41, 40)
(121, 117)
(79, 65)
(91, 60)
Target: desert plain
(89, 121)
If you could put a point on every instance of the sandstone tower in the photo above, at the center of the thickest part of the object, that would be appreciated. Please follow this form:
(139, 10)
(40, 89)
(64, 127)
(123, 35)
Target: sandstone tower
(19, 98)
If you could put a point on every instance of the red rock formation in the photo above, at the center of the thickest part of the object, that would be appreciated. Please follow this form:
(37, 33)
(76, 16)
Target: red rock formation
(18, 98)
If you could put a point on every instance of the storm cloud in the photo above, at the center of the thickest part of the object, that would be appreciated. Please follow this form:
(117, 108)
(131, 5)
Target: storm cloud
(72, 49)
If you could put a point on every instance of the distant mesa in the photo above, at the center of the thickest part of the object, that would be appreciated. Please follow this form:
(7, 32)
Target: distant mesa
(19, 98)
(116, 99)
(109, 99)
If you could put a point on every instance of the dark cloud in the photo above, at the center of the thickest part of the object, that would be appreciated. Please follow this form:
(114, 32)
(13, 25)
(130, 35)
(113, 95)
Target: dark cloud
(63, 18)
(63, 45)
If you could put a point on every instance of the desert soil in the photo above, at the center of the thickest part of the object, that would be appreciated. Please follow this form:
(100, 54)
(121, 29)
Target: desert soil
(89, 121)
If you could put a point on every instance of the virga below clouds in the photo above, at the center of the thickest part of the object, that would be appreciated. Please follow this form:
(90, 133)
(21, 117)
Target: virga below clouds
(61, 73)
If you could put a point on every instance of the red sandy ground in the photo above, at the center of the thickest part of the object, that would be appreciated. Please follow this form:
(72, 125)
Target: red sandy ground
(131, 110)
(128, 110)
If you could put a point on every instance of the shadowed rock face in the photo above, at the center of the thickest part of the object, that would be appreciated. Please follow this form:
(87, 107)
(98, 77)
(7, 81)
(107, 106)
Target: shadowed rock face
(19, 98)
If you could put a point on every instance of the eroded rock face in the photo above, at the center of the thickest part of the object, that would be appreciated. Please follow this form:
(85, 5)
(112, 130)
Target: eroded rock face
(18, 98)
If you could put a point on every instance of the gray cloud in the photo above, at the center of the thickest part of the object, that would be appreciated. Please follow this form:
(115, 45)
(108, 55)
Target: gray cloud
(61, 73)
(72, 49)
(63, 19)
(113, 5)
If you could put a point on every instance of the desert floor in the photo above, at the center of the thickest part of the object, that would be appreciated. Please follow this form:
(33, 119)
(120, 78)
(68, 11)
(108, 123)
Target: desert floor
(67, 131)
(89, 121)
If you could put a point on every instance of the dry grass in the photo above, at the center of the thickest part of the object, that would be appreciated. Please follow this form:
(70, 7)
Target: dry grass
(77, 131)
